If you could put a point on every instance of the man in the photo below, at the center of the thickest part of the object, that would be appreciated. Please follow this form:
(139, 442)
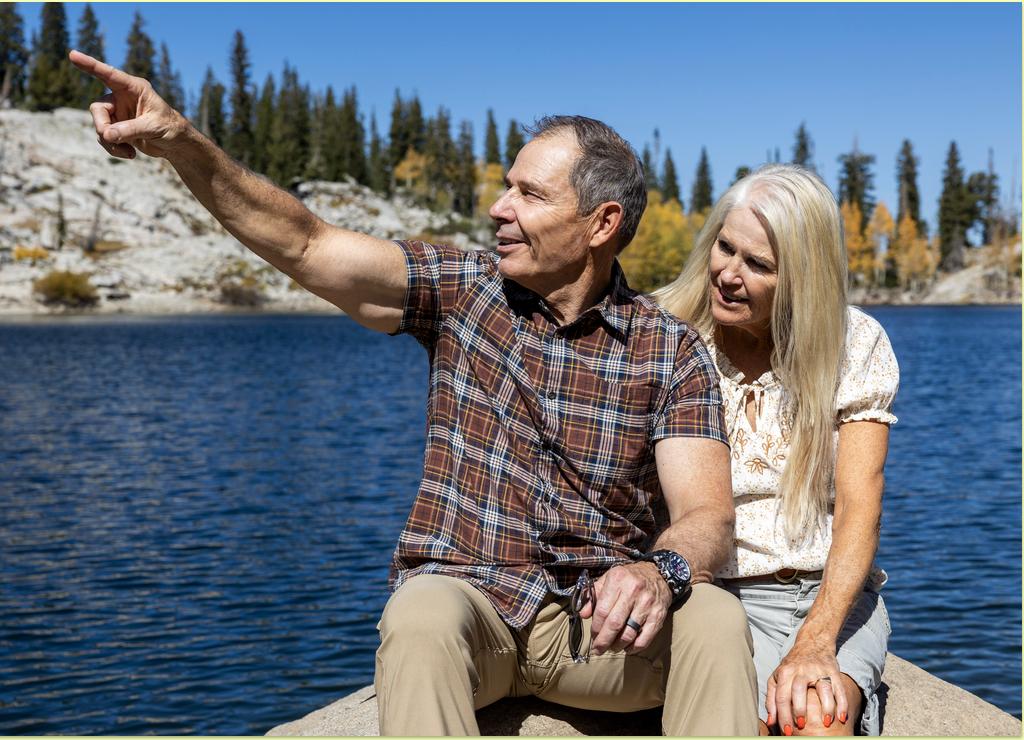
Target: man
(565, 414)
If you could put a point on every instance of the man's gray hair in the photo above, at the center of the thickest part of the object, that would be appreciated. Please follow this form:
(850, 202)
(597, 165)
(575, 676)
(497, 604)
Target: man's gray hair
(607, 169)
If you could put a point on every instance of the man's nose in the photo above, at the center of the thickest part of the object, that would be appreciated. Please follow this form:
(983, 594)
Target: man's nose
(500, 209)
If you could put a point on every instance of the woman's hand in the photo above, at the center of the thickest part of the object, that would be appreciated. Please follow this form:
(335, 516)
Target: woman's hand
(809, 666)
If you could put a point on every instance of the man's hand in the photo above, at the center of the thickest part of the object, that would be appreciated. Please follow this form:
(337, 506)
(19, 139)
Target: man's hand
(132, 116)
(635, 591)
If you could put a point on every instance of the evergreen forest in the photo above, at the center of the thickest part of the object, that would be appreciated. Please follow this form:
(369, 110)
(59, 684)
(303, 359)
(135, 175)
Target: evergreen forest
(282, 128)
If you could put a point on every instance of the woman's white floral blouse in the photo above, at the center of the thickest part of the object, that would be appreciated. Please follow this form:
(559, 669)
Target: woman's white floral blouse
(869, 378)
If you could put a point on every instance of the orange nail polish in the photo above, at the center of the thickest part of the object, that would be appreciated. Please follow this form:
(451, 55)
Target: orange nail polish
(771, 720)
(787, 730)
(827, 720)
(800, 722)
(842, 717)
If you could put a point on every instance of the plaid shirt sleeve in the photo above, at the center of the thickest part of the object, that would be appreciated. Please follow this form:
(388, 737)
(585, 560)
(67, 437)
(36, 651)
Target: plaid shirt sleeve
(437, 276)
(693, 404)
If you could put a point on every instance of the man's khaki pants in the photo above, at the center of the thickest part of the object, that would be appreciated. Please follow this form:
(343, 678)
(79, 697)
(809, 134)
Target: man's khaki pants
(445, 653)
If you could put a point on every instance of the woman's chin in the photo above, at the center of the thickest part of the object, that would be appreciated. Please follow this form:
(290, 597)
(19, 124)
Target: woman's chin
(733, 315)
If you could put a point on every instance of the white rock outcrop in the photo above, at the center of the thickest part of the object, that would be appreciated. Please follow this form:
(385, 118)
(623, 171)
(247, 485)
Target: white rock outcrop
(156, 249)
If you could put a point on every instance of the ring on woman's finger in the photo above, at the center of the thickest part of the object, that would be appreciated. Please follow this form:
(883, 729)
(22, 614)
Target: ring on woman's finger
(822, 678)
(634, 624)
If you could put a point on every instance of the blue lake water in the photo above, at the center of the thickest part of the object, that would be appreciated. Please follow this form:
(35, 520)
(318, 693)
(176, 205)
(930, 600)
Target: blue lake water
(196, 514)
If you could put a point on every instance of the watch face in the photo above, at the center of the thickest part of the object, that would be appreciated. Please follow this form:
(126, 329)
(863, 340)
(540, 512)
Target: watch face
(678, 566)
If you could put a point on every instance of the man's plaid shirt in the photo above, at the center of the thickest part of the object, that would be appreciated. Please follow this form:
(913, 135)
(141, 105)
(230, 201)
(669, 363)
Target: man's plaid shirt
(540, 439)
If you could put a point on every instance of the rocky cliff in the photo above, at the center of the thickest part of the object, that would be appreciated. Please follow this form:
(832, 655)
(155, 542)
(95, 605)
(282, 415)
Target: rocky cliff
(149, 247)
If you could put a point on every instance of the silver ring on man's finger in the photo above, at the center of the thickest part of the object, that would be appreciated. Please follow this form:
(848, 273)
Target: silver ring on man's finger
(823, 678)
(635, 625)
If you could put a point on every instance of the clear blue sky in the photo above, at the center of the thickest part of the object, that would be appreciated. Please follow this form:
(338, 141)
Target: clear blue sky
(737, 78)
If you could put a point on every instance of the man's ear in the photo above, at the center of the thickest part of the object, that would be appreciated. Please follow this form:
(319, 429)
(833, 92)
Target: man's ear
(607, 218)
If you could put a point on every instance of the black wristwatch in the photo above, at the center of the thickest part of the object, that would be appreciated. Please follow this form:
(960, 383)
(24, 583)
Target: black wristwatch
(674, 569)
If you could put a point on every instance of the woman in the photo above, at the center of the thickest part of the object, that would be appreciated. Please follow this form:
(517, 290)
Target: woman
(808, 384)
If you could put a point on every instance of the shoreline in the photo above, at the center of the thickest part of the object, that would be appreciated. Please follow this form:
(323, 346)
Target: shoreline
(44, 313)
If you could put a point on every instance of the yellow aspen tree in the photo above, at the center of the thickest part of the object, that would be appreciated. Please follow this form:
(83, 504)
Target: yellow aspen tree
(490, 185)
(917, 262)
(411, 171)
(859, 251)
(880, 236)
(662, 243)
(899, 246)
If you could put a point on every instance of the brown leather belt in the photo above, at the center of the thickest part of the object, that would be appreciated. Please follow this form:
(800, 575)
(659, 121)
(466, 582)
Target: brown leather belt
(785, 575)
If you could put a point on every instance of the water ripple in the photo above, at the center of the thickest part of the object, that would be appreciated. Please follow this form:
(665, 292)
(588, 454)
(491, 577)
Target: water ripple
(198, 513)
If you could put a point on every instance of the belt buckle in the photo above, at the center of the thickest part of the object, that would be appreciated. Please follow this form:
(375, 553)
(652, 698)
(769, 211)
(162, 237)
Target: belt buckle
(786, 579)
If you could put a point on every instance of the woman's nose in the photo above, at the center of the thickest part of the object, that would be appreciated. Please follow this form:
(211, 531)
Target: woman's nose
(731, 271)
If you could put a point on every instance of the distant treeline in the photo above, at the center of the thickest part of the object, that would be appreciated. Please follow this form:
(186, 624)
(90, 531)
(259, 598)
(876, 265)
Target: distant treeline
(291, 133)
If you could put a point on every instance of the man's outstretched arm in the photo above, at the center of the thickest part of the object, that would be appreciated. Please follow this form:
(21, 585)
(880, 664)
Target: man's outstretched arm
(362, 275)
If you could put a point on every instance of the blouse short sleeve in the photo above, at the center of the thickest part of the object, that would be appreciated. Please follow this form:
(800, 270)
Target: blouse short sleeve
(870, 375)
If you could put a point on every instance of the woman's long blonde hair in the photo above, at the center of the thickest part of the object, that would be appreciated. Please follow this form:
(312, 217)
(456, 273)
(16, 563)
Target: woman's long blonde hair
(802, 222)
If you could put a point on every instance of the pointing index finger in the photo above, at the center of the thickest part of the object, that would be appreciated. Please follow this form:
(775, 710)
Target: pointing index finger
(112, 77)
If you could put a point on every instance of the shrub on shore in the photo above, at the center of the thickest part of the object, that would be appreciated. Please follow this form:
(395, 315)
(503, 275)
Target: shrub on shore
(32, 254)
(242, 285)
(66, 288)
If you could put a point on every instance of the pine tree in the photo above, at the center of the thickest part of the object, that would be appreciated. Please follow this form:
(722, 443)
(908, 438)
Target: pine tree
(441, 159)
(656, 150)
(53, 82)
(211, 122)
(13, 55)
(321, 128)
(167, 81)
(514, 141)
(741, 172)
(856, 181)
(492, 145)
(670, 180)
(701, 198)
(90, 41)
(352, 136)
(398, 136)
(983, 193)
(380, 177)
(289, 144)
(263, 127)
(53, 32)
(954, 212)
(803, 148)
(416, 125)
(463, 195)
(139, 60)
(906, 185)
(650, 169)
(240, 134)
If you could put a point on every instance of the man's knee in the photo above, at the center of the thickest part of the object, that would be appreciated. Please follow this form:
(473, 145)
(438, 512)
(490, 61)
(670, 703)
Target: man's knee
(424, 611)
(712, 616)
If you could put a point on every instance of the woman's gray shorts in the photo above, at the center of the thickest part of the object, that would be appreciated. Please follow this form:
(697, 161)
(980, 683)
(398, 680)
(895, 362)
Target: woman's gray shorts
(775, 612)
